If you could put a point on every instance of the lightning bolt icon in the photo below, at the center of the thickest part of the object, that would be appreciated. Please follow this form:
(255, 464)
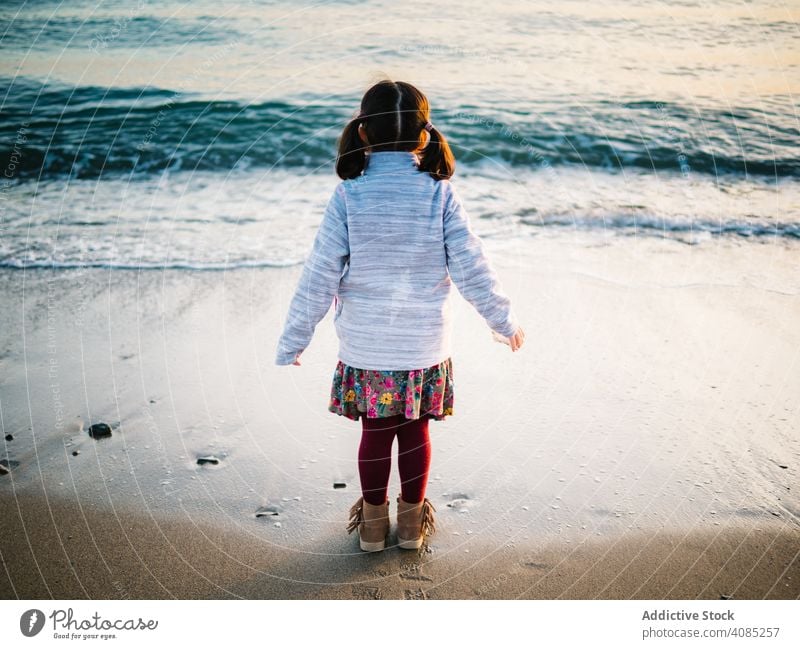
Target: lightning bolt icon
(32, 621)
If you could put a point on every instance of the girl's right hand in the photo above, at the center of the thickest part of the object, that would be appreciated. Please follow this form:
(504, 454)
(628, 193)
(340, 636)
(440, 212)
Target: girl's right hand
(517, 339)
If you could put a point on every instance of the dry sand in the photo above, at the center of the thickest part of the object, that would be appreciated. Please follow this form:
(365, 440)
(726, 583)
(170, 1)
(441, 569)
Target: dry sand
(643, 444)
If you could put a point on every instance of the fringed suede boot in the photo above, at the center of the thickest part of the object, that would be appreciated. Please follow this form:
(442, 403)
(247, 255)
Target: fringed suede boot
(372, 522)
(414, 523)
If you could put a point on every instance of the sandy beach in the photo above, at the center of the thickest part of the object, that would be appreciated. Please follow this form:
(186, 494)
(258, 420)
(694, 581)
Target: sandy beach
(643, 444)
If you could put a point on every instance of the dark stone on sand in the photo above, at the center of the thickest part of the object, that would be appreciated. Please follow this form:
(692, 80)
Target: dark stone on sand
(782, 466)
(9, 437)
(210, 459)
(339, 485)
(7, 465)
(99, 430)
(75, 452)
(268, 510)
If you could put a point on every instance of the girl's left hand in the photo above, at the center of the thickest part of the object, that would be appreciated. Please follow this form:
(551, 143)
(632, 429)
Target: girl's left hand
(296, 360)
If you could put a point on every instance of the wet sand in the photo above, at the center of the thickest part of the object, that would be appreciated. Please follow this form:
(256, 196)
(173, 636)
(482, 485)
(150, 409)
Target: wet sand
(61, 550)
(643, 444)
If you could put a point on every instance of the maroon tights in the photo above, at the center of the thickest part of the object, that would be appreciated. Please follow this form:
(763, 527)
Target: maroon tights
(375, 457)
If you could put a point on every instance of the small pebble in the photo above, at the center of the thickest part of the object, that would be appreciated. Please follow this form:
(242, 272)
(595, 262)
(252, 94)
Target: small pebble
(7, 465)
(99, 430)
(277, 524)
(210, 459)
(9, 437)
(339, 485)
(76, 452)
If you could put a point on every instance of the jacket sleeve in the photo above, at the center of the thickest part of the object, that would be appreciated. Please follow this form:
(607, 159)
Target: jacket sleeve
(471, 270)
(318, 282)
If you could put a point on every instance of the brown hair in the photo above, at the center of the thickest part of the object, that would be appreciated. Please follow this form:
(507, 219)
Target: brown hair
(394, 114)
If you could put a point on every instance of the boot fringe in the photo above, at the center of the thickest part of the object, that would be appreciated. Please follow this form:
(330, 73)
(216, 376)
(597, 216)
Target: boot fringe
(356, 515)
(427, 527)
(428, 522)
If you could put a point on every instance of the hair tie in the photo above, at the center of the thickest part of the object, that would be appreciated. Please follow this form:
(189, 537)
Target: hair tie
(428, 127)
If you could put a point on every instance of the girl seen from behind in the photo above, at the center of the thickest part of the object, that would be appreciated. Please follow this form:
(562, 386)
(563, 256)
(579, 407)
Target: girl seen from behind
(393, 239)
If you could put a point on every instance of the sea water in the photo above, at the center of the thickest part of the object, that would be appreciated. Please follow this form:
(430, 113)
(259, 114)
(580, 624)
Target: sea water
(203, 135)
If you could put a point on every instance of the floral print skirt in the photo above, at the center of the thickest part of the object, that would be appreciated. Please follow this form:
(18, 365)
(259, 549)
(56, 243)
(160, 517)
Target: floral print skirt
(383, 393)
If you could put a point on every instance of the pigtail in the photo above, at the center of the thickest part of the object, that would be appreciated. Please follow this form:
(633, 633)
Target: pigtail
(351, 158)
(394, 116)
(437, 158)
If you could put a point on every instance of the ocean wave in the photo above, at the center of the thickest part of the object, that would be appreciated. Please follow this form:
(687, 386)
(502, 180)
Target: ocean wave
(123, 252)
(43, 264)
(55, 131)
(651, 226)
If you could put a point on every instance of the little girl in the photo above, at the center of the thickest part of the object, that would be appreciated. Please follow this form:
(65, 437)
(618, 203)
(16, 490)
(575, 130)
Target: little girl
(393, 238)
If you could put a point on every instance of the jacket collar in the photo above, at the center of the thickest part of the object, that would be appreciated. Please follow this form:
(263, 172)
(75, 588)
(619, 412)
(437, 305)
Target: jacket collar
(391, 161)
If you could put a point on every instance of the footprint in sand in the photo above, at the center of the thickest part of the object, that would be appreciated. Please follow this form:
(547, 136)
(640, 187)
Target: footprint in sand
(460, 502)
(414, 594)
(367, 592)
(413, 571)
